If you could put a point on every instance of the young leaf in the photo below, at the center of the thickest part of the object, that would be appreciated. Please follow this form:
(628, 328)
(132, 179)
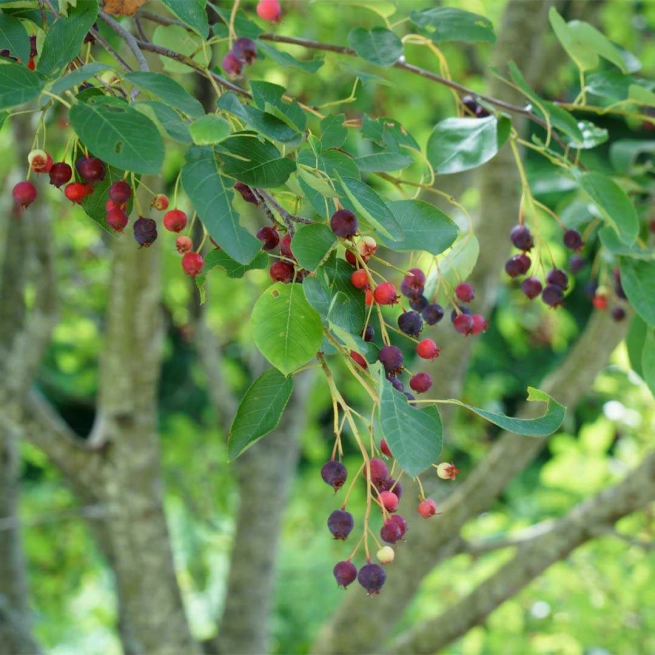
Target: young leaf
(638, 281)
(65, 37)
(13, 37)
(459, 144)
(454, 266)
(260, 410)
(312, 244)
(542, 426)
(584, 57)
(219, 258)
(191, 13)
(181, 40)
(209, 130)
(379, 45)
(168, 90)
(414, 436)
(118, 134)
(285, 327)
(18, 85)
(451, 24)
(211, 194)
(425, 227)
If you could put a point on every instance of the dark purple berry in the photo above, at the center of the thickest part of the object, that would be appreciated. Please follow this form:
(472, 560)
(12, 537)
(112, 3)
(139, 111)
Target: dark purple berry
(410, 397)
(390, 532)
(246, 192)
(531, 287)
(244, 50)
(396, 384)
(433, 313)
(60, 174)
(400, 522)
(334, 473)
(419, 303)
(590, 288)
(391, 358)
(572, 240)
(344, 573)
(91, 169)
(410, 323)
(576, 263)
(463, 309)
(521, 237)
(517, 265)
(340, 523)
(558, 277)
(145, 231)
(553, 295)
(269, 237)
(369, 334)
(344, 224)
(618, 313)
(421, 382)
(372, 577)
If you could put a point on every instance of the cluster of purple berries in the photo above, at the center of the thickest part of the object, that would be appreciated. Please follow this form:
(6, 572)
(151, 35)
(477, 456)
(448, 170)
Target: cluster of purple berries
(243, 53)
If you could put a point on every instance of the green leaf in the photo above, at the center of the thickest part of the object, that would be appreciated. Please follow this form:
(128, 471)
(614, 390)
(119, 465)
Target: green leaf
(459, 144)
(317, 293)
(364, 77)
(648, 360)
(613, 203)
(610, 239)
(191, 13)
(94, 205)
(331, 162)
(242, 25)
(379, 46)
(634, 342)
(388, 134)
(542, 426)
(370, 208)
(638, 281)
(211, 194)
(425, 227)
(285, 327)
(312, 244)
(18, 85)
(592, 135)
(78, 76)
(338, 274)
(333, 132)
(266, 94)
(624, 153)
(118, 134)
(641, 95)
(64, 39)
(451, 24)
(13, 37)
(169, 119)
(176, 37)
(209, 129)
(219, 258)
(170, 91)
(260, 411)
(609, 84)
(383, 161)
(286, 60)
(254, 162)
(414, 436)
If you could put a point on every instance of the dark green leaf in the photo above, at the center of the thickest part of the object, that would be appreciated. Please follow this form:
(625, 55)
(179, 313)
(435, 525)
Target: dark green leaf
(638, 281)
(312, 244)
(634, 342)
(78, 76)
(191, 13)
(451, 24)
(254, 162)
(211, 194)
(170, 91)
(609, 84)
(648, 359)
(424, 226)
(265, 95)
(459, 144)
(64, 39)
(383, 161)
(260, 410)
(13, 37)
(219, 258)
(118, 134)
(285, 327)
(414, 436)
(333, 132)
(18, 85)
(379, 45)
(242, 26)
(610, 239)
(338, 274)
(170, 121)
(286, 60)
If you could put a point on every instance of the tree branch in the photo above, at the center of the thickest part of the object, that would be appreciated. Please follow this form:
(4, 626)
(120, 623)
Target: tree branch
(127, 37)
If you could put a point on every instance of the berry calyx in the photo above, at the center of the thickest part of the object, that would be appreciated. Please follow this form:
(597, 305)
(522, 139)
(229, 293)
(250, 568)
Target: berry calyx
(344, 573)
(91, 169)
(379, 470)
(391, 358)
(521, 237)
(281, 272)
(385, 294)
(572, 240)
(116, 219)
(175, 220)
(359, 279)
(340, 523)
(160, 202)
(334, 473)
(410, 323)
(183, 244)
(447, 471)
(120, 191)
(244, 50)
(386, 555)
(384, 447)
(464, 292)
(421, 382)
(390, 532)
(432, 313)
(145, 231)
(357, 358)
(24, 193)
(60, 174)
(531, 287)
(463, 323)
(389, 501)
(269, 10)
(76, 192)
(344, 223)
(427, 508)
(427, 349)
(193, 263)
(40, 161)
(269, 237)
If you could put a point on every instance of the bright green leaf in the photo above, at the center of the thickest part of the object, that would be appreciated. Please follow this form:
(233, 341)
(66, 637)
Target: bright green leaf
(379, 45)
(176, 38)
(384, 162)
(209, 129)
(451, 24)
(312, 244)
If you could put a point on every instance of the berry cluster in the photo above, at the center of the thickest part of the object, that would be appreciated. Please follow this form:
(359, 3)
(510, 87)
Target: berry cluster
(243, 53)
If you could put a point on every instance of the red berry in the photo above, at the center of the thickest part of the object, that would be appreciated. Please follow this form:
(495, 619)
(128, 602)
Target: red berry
(91, 169)
(192, 263)
(351, 258)
(160, 202)
(368, 298)
(120, 191)
(116, 219)
(344, 223)
(60, 174)
(269, 10)
(421, 382)
(389, 501)
(183, 244)
(356, 357)
(40, 161)
(76, 192)
(385, 294)
(175, 220)
(463, 323)
(359, 279)
(384, 447)
(427, 508)
(464, 292)
(24, 193)
(285, 246)
(246, 193)
(479, 324)
(269, 236)
(281, 272)
(600, 302)
(427, 349)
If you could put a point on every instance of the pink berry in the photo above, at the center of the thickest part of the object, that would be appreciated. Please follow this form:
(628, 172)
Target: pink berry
(24, 193)
(359, 279)
(389, 501)
(427, 349)
(427, 508)
(384, 447)
(116, 219)
(464, 292)
(463, 323)
(379, 470)
(232, 65)
(192, 263)
(269, 10)
(183, 244)
(421, 382)
(160, 202)
(479, 324)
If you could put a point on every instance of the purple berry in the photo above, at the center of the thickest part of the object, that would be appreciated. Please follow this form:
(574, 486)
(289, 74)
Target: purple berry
(618, 313)
(340, 523)
(421, 382)
(400, 522)
(521, 237)
(232, 65)
(344, 224)
(60, 174)
(372, 577)
(379, 470)
(590, 288)
(344, 573)
(145, 231)
(433, 313)
(465, 292)
(410, 397)
(463, 323)
(391, 358)
(558, 277)
(572, 240)
(396, 384)
(410, 323)
(91, 169)
(553, 295)
(576, 263)
(419, 303)
(618, 287)
(390, 532)
(369, 334)
(334, 473)
(246, 193)
(531, 287)
(244, 50)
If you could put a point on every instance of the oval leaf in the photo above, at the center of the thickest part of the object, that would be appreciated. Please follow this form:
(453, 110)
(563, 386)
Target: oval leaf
(18, 85)
(379, 46)
(451, 24)
(168, 90)
(285, 328)
(13, 37)
(638, 282)
(312, 244)
(260, 410)
(191, 13)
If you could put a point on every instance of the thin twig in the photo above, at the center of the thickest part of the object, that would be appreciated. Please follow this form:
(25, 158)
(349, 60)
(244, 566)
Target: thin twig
(267, 210)
(288, 218)
(127, 37)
